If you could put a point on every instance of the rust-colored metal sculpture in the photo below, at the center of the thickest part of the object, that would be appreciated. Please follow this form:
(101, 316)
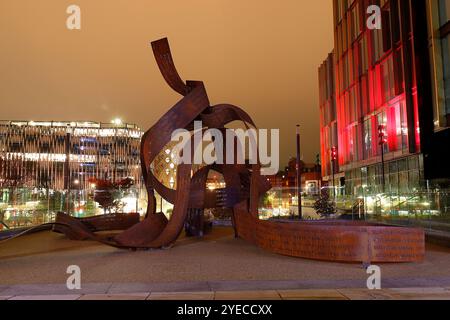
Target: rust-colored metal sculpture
(74, 228)
(336, 241)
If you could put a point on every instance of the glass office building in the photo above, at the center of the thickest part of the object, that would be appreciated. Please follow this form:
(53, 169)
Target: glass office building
(395, 78)
(384, 105)
(47, 167)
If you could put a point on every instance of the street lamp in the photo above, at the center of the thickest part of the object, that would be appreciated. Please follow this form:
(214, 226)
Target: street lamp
(333, 161)
(76, 182)
(117, 121)
(299, 176)
(382, 135)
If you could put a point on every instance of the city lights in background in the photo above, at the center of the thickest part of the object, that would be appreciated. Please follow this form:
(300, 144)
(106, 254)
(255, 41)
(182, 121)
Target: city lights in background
(117, 121)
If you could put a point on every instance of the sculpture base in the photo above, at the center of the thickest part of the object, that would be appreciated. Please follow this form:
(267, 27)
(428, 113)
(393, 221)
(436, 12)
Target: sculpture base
(342, 241)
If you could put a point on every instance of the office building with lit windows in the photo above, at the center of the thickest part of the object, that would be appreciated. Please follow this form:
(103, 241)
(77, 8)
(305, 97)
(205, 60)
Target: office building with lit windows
(394, 81)
(57, 154)
(44, 165)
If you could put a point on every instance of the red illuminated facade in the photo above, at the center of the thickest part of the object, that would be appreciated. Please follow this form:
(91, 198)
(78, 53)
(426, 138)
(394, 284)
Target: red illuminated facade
(386, 78)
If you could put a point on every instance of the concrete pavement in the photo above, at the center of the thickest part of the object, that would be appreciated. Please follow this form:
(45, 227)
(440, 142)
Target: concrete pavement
(216, 267)
(436, 293)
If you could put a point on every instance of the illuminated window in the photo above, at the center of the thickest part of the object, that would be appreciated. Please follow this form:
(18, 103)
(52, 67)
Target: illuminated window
(387, 80)
(363, 56)
(367, 135)
(382, 120)
(401, 126)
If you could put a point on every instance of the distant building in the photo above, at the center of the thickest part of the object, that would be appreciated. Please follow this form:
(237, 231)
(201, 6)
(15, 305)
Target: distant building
(54, 162)
(394, 82)
(276, 180)
(311, 177)
(55, 155)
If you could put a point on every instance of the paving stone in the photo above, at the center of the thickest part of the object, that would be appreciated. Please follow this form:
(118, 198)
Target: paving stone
(316, 294)
(129, 288)
(55, 289)
(365, 294)
(330, 283)
(251, 285)
(412, 282)
(421, 296)
(36, 289)
(247, 295)
(435, 290)
(127, 296)
(420, 293)
(47, 297)
(206, 295)
(441, 282)
(284, 284)
(196, 286)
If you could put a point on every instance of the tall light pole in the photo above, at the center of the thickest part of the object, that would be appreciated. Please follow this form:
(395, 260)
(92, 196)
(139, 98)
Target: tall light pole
(299, 176)
(67, 182)
(382, 135)
(76, 182)
(333, 164)
(117, 123)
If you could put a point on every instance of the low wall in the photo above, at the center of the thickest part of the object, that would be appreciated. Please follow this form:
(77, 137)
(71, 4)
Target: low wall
(344, 241)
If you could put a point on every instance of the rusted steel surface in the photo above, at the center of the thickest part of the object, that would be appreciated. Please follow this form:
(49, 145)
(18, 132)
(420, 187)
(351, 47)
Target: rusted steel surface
(88, 225)
(142, 233)
(334, 241)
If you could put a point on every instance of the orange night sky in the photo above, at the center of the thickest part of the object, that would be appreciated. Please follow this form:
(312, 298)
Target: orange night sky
(258, 54)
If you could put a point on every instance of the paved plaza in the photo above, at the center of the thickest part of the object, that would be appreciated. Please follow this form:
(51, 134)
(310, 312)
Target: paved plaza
(216, 267)
(309, 294)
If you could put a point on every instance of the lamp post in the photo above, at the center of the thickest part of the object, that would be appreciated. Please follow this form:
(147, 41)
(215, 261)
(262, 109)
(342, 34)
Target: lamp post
(299, 176)
(76, 182)
(382, 135)
(333, 160)
(67, 183)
